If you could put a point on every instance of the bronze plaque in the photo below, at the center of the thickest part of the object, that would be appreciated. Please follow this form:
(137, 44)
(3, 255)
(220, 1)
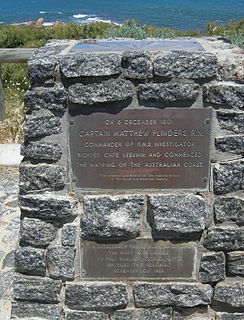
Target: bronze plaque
(141, 149)
(139, 258)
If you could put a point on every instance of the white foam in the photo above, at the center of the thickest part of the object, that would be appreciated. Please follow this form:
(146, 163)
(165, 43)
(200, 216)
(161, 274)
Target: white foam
(47, 24)
(80, 16)
(42, 12)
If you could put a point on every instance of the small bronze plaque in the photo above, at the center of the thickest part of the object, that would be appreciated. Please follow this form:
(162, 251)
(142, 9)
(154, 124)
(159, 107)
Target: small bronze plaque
(141, 149)
(140, 258)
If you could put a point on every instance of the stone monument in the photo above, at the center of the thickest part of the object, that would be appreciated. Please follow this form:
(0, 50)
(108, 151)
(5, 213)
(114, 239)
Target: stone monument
(131, 184)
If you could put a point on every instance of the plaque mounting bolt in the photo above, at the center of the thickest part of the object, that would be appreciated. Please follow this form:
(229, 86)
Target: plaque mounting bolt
(71, 122)
(74, 179)
(205, 179)
(207, 121)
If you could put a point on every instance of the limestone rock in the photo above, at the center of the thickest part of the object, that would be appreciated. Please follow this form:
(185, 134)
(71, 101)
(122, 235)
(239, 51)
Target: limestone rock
(30, 310)
(231, 121)
(30, 261)
(185, 65)
(224, 238)
(143, 314)
(232, 144)
(47, 206)
(111, 91)
(90, 65)
(60, 263)
(54, 98)
(176, 215)
(36, 233)
(42, 151)
(235, 262)
(228, 177)
(212, 267)
(84, 315)
(41, 177)
(37, 289)
(230, 293)
(227, 93)
(41, 124)
(68, 235)
(229, 209)
(168, 294)
(137, 65)
(90, 296)
(167, 93)
(111, 216)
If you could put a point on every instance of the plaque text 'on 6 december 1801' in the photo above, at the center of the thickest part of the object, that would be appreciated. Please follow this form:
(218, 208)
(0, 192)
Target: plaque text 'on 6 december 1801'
(141, 148)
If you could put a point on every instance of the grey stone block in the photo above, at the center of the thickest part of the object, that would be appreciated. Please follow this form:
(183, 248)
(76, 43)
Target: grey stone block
(231, 121)
(30, 311)
(232, 144)
(30, 261)
(111, 216)
(185, 65)
(143, 314)
(167, 93)
(90, 65)
(111, 91)
(177, 215)
(68, 235)
(42, 151)
(36, 233)
(229, 316)
(230, 293)
(41, 124)
(200, 313)
(47, 206)
(235, 262)
(60, 263)
(224, 238)
(228, 177)
(54, 98)
(41, 69)
(41, 177)
(229, 209)
(37, 289)
(137, 65)
(212, 267)
(102, 295)
(170, 294)
(222, 94)
(84, 315)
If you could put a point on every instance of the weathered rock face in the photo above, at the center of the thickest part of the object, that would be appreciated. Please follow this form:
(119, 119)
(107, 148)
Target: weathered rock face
(36, 233)
(230, 293)
(37, 289)
(137, 65)
(60, 263)
(228, 177)
(90, 65)
(212, 267)
(111, 217)
(192, 237)
(179, 294)
(111, 91)
(177, 215)
(229, 209)
(235, 262)
(185, 65)
(90, 296)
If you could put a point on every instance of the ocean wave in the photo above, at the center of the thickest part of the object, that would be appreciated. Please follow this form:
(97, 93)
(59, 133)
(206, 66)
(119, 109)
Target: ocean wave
(80, 16)
(42, 12)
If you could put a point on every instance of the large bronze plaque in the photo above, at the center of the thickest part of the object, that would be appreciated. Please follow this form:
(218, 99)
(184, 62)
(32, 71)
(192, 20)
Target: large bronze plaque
(140, 258)
(141, 149)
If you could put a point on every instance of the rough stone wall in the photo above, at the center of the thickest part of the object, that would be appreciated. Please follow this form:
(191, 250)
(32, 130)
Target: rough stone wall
(54, 219)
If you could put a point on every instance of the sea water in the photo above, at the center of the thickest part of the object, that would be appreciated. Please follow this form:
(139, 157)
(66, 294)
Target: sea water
(177, 14)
